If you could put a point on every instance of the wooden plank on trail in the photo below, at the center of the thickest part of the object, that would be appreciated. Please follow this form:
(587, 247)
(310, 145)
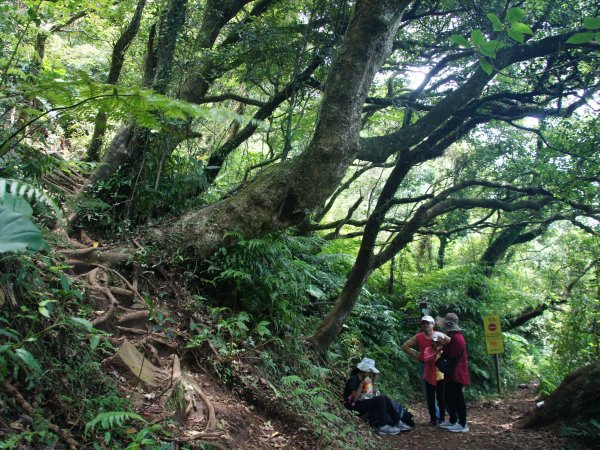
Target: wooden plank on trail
(138, 365)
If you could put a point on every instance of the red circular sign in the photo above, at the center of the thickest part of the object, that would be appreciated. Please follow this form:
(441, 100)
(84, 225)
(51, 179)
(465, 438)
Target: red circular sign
(492, 326)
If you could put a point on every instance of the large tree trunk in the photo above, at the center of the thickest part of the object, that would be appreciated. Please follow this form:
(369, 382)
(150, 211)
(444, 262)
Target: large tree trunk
(283, 195)
(577, 399)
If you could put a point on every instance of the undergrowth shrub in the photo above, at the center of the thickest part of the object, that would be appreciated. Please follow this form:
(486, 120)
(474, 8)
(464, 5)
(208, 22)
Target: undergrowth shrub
(277, 277)
(50, 353)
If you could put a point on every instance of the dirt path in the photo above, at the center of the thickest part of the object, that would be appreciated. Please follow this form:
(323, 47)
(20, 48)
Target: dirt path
(491, 426)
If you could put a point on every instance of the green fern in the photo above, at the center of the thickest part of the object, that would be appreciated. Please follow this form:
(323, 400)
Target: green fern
(13, 194)
(111, 419)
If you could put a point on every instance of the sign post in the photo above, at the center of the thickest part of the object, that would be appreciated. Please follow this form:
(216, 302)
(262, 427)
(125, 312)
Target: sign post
(493, 342)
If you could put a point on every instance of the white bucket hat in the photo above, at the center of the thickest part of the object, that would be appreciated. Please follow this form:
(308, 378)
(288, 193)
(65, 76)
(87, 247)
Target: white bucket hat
(367, 365)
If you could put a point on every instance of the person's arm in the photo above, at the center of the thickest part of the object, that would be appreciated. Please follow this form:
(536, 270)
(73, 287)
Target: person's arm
(356, 393)
(447, 339)
(407, 347)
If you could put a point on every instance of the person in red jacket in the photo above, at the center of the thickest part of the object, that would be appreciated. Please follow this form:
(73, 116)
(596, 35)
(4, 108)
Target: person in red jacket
(434, 379)
(454, 382)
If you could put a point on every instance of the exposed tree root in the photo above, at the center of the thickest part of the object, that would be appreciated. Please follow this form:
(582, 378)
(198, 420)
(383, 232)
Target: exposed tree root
(190, 382)
(63, 434)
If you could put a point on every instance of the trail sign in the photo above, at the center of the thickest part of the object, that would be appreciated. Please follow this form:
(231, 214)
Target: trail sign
(493, 335)
(411, 321)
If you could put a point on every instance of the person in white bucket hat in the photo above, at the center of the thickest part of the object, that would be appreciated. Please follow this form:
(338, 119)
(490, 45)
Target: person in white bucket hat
(378, 410)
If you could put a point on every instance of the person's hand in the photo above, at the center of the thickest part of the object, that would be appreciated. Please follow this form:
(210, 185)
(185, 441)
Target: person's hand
(367, 380)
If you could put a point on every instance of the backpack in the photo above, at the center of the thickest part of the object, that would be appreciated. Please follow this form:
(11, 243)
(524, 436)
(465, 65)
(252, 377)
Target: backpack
(405, 414)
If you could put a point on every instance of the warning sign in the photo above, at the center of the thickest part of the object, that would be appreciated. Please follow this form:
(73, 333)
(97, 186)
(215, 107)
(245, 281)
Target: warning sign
(493, 335)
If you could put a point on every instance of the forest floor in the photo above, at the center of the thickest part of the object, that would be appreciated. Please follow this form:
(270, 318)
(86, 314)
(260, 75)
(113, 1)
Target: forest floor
(492, 425)
(240, 425)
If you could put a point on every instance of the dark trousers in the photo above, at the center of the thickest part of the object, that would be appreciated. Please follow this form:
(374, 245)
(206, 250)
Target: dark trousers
(431, 393)
(378, 411)
(455, 402)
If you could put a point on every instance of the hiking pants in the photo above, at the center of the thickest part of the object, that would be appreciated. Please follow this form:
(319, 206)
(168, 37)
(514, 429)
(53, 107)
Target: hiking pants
(378, 411)
(431, 393)
(455, 402)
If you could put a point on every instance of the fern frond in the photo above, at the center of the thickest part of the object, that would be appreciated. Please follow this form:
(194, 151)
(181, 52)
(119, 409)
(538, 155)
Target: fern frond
(111, 419)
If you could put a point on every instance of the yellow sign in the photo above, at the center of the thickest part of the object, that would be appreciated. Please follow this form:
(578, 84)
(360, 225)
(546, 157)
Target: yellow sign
(493, 335)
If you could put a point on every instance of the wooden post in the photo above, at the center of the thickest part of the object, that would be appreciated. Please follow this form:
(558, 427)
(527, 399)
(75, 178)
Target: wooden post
(497, 364)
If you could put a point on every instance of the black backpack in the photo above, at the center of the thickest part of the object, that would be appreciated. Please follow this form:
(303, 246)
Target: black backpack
(405, 414)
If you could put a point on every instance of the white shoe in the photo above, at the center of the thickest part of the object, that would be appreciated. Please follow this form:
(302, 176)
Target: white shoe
(446, 425)
(388, 430)
(458, 428)
(402, 426)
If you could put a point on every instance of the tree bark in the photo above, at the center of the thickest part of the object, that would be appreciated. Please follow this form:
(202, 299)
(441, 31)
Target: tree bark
(114, 73)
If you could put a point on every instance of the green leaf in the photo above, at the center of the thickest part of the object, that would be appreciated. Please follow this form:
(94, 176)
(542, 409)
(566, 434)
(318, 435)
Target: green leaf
(515, 15)
(9, 334)
(94, 341)
(592, 23)
(521, 28)
(459, 40)
(581, 38)
(5, 347)
(497, 25)
(64, 283)
(486, 66)
(477, 38)
(29, 360)
(490, 48)
(516, 36)
(18, 233)
(83, 322)
(16, 204)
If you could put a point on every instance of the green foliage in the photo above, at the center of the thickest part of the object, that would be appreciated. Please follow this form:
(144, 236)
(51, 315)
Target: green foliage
(587, 432)
(111, 419)
(275, 276)
(43, 332)
(589, 23)
(17, 231)
(229, 333)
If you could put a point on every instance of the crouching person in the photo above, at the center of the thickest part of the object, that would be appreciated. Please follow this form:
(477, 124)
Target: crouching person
(360, 396)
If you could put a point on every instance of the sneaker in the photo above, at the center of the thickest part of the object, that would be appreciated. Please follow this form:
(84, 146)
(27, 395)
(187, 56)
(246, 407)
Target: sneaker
(432, 423)
(388, 430)
(458, 428)
(446, 424)
(402, 426)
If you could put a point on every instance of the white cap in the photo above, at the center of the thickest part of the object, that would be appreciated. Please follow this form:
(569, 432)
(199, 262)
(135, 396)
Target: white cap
(427, 319)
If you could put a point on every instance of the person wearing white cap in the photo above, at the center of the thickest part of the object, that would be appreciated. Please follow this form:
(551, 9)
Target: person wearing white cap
(422, 341)
(378, 409)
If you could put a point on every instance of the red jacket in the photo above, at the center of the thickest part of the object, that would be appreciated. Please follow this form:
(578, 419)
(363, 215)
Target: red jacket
(457, 348)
